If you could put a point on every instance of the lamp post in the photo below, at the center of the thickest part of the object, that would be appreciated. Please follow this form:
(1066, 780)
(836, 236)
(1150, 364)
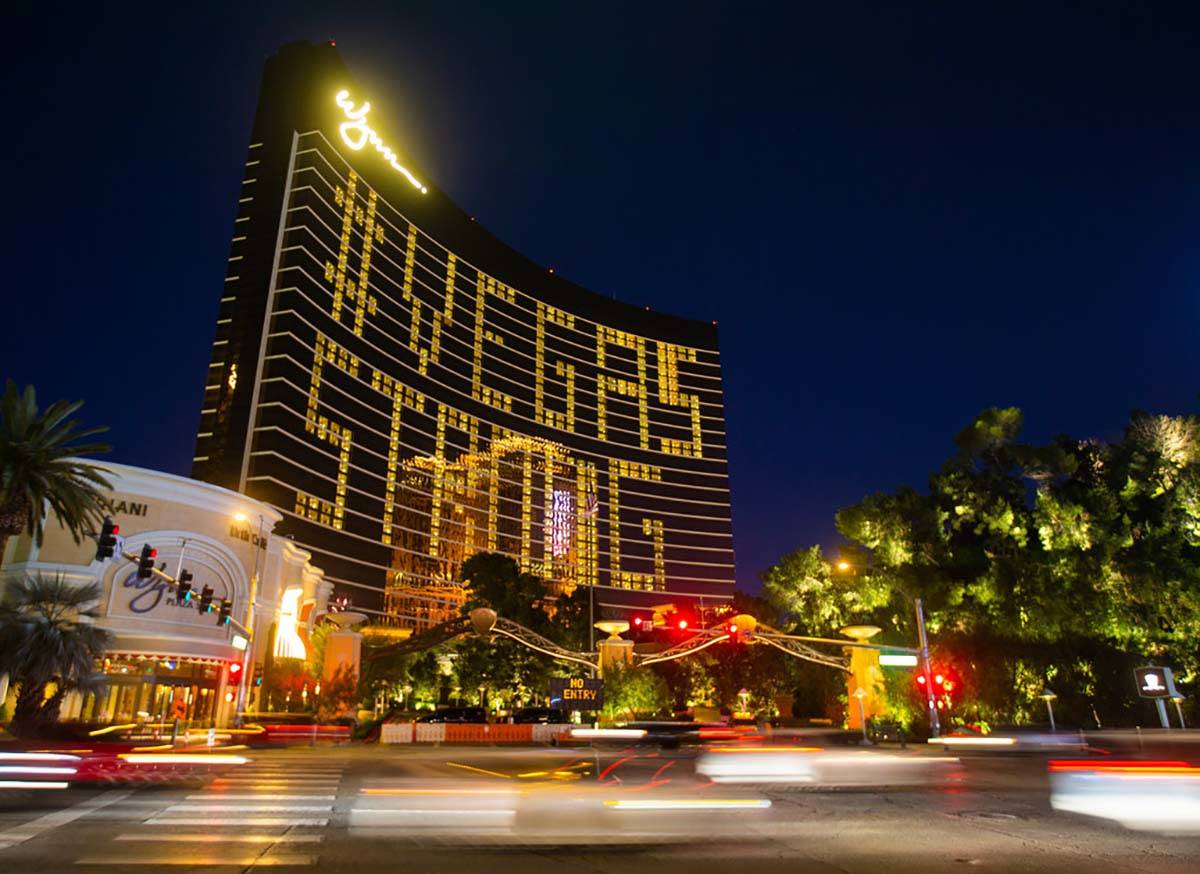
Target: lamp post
(251, 597)
(1049, 697)
(860, 693)
(935, 722)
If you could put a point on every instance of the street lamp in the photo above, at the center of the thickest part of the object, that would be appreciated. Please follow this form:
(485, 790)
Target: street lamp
(1177, 700)
(860, 693)
(1049, 697)
(252, 596)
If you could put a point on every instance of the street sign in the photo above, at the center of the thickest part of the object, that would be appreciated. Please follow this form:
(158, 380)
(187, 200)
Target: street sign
(576, 693)
(1155, 682)
(897, 660)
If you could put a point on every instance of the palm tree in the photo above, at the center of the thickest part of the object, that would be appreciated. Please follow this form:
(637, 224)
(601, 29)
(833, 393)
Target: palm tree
(38, 467)
(48, 635)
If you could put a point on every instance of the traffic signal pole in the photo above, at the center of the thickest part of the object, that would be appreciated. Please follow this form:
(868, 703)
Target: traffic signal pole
(935, 726)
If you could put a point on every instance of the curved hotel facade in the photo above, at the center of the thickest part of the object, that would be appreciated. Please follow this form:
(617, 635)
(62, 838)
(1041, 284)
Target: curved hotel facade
(408, 391)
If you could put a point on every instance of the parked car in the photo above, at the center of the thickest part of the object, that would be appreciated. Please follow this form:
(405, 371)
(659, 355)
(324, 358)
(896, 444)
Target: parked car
(539, 716)
(455, 714)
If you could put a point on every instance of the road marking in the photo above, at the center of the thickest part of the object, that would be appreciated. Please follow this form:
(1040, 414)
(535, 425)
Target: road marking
(217, 796)
(249, 808)
(223, 861)
(319, 821)
(207, 838)
(274, 784)
(437, 811)
(22, 833)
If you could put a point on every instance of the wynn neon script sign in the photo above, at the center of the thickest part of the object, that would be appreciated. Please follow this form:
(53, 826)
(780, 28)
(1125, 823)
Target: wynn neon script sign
(356, 133)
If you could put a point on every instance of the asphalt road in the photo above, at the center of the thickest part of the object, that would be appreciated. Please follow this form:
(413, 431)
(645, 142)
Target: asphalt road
(462, 810)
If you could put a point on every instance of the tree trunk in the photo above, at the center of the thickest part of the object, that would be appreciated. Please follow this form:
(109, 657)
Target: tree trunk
(34, 712)
(25, 714)
(14, 516)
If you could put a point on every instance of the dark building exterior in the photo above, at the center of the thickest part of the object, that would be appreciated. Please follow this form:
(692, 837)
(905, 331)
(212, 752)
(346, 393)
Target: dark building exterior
(408, 390)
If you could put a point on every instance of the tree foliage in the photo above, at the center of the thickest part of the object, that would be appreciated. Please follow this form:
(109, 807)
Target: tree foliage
(632, 692)
(39, 467)
(1058, 564)
(49, 645)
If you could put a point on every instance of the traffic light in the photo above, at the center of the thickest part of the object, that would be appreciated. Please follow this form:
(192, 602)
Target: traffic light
(258, 672)
(939, 686)
(106, 543)
(235, 671)
(206, 596)
(734, 632)
(146, 562)
(183, 591)
(223, 613)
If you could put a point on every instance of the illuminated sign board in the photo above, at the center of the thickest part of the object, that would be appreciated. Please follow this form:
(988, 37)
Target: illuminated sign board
(897, 660)
(1155, 682)
(356, 133)
(576, 693)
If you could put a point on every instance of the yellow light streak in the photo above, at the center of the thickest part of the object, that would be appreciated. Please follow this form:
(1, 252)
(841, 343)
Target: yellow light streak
(111, 728)
(480, 770)
(182, 758)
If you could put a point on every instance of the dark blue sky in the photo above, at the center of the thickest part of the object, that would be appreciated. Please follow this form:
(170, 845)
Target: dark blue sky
(899, 216)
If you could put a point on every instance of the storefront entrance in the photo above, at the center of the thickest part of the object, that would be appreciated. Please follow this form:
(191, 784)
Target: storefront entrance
(141, 689)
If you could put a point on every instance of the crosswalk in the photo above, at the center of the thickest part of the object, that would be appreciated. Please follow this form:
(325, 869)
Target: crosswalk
(270, 810)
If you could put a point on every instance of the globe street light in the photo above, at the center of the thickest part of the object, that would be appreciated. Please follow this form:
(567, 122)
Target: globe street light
(1049, 697)
(251, 597)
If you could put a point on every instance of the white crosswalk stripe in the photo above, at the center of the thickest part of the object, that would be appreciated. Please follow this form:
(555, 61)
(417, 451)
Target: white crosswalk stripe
(270, 803)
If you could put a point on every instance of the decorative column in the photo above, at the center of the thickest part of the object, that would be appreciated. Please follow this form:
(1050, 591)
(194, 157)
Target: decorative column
(343, 647)
(614, 650)
(865, 674)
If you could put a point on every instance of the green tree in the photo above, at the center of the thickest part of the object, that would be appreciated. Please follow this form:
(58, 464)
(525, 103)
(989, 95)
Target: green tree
(339, 694)
(630, 692)
(495, 580)
(49, 645)
(39, 468)
(1055, 564)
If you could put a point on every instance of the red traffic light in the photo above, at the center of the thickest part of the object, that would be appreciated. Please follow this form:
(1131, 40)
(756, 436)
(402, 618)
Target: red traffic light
(116, 529)
(682, 624)
(921, 679)
(235, 668)
(733, 628)
(637, 620)
(153, 553)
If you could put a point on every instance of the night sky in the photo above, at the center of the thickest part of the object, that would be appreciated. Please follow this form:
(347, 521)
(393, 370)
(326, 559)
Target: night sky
(899, 213)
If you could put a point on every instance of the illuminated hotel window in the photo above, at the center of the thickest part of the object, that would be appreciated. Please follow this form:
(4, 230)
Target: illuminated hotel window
(421, 393)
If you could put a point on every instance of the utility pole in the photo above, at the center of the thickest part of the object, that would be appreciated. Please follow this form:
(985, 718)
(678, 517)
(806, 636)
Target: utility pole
(935, 726)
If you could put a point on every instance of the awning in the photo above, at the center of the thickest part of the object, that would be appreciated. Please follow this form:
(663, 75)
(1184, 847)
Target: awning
(168, 647)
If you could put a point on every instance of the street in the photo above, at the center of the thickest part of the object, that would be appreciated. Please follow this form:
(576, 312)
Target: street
(462, 810)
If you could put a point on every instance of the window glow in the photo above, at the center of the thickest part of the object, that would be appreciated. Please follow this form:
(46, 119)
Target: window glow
(288, 644)
(356, 133)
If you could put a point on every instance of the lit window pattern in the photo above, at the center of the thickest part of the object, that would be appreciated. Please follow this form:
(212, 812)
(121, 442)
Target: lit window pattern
(308, 505)
(619, 577)
(446, 412)
(343, 286)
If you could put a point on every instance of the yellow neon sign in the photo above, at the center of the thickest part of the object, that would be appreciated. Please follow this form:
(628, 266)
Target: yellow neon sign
(356, 133)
